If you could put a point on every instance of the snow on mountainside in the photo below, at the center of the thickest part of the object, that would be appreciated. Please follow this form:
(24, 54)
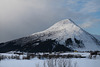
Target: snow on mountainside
(65, 29)
(65, 35)
(97, 36)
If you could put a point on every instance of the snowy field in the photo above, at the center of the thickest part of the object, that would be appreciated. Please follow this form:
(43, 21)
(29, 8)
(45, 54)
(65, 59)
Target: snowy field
(35, 62)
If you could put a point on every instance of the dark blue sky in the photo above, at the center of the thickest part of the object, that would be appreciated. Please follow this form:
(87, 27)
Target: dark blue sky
(20, 18)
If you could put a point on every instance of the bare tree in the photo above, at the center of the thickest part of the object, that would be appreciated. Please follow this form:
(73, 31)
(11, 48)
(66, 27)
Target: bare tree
(59, 63)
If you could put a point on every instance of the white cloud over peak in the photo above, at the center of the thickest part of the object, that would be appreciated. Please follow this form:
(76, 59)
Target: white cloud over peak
(90, 23)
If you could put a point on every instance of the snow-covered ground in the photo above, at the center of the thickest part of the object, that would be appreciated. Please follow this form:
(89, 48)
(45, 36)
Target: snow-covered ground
(20, 63)
(35, 62)
(88, 62)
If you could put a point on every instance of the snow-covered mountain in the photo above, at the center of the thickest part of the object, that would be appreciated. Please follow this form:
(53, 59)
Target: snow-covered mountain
(65, 35)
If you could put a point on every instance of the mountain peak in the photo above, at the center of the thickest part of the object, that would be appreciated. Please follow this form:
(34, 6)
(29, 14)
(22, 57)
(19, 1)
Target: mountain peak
(66, 21)
(66, 24)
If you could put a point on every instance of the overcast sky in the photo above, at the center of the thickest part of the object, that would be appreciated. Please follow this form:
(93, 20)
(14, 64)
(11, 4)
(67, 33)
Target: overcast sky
(19, 18)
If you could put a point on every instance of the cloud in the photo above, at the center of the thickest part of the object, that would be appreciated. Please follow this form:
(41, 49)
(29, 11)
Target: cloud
(89, 23)
(91, 6)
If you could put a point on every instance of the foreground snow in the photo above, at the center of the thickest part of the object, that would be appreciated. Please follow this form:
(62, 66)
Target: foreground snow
(20, 63)
(87, 62)
(35, 62)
